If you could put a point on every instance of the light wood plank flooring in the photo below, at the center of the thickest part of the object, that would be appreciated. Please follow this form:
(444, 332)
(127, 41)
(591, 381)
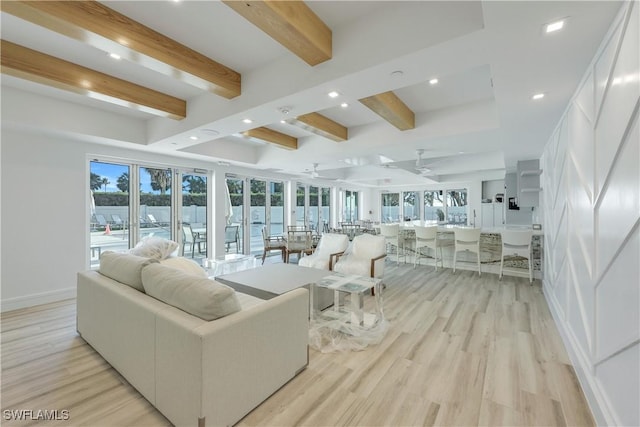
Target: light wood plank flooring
(461, 350)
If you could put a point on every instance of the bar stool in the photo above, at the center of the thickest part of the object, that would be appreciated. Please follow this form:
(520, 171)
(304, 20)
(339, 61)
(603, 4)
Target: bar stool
(391, 234)
(466, 239)
(517, 243)
(427, 237)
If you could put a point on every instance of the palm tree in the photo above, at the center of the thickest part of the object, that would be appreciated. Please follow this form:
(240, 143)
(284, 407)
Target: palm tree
(95, 181)
(105, 182)
(160, 179)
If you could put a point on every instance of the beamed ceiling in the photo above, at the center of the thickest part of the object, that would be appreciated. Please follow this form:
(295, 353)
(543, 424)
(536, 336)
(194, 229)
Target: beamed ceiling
(189, 73)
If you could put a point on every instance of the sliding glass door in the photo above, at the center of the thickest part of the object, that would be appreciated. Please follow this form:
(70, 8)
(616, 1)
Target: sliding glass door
(155, 203)
(108, 209)
(194, 221)
(236, 197)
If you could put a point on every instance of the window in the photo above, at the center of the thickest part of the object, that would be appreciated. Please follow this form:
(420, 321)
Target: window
(390, 207)
(109, 208)
(350, 206)
(301, 193)
(325, 208)
(457, 206)
(410, 206)
(433, 206)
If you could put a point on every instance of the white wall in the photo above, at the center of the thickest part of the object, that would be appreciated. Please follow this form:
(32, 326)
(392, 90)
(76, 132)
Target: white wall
(591, 210)
(45, 213)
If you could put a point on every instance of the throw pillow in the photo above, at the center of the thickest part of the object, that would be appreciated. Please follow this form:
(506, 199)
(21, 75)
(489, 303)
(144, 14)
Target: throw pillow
(124, 268)
(154, 247)
(186, 265)
(199, 296)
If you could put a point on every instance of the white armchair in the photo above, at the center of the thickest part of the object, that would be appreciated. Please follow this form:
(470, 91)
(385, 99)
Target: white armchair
(330, 246)
(365, 258)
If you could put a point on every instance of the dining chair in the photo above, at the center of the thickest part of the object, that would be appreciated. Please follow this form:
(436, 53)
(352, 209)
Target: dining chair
(298, 242)
(192, 239)
(427, 237)
(272, 243)
(231, 235)
(466, 239)
(391, 234)
(517, 243)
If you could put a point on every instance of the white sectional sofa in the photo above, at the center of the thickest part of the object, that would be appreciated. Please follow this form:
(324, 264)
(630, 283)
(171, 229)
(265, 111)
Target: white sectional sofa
(195, 372)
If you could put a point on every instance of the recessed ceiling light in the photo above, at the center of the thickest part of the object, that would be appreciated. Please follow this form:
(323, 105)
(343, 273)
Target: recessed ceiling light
(333, 94)
(397, 73)
(247, 121)
(211, 132)
(537, 96)
(193, 138)
(554, 26)
(433, 81)
(283, 121)
(115, 56)
(344, 105)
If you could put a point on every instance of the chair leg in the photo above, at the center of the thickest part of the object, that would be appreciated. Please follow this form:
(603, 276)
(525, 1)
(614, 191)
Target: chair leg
(479, 268)
(501, 265)
(264, 255)
(530, 271)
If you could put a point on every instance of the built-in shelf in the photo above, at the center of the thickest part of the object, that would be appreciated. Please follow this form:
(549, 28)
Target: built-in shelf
(530, 190)
(531, 172)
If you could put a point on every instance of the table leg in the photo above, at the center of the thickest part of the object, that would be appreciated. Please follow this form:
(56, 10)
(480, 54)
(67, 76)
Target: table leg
(357, 314)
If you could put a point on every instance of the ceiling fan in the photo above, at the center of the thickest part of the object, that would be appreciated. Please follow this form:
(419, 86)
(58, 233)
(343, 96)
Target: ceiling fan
(421, 166)
(315, 174)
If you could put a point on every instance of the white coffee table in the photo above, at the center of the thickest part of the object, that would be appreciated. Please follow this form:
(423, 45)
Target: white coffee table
(271, 280)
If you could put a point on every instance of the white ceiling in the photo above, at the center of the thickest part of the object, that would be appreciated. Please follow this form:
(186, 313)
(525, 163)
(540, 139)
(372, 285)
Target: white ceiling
(490, 57)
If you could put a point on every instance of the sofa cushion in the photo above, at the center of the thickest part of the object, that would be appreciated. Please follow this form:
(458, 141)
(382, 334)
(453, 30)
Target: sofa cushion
(154, 247)
(186, 265)
(124, 268)
(197, 295)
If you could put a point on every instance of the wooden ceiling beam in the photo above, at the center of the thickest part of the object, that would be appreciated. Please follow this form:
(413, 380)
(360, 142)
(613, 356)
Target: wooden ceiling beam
(38, 67)
(391, 108)
(269, 135)
(321, 125)
(292, 24)
(108, 30)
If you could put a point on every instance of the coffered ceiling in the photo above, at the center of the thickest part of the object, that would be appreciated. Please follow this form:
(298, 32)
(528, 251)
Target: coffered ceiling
(190, 72)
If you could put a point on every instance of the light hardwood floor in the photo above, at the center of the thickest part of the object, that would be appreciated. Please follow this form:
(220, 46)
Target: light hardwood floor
(461, 350)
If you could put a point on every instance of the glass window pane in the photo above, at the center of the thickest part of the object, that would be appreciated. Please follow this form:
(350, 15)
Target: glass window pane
(258, 211)
(236, 195)
(457, 206)
(410, 208)
(300, 205)
(314, 209)
(276, 223)
(109, 209)
(325, 209)
(390, 207)
(155, 202)
(433, 206)
(194, 216)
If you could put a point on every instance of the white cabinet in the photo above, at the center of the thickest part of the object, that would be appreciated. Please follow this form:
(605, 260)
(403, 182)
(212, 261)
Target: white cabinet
(492, 215)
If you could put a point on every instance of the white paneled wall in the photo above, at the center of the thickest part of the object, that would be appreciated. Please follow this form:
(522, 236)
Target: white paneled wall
(592, 213)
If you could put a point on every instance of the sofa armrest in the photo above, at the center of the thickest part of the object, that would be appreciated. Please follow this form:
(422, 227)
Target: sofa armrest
(219, 371)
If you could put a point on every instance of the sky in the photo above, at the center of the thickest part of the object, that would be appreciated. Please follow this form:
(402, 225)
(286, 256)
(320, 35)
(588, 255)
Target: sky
(113, 171)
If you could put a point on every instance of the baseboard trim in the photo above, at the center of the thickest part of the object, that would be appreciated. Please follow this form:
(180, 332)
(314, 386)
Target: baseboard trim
(598, 403)
(37, 299)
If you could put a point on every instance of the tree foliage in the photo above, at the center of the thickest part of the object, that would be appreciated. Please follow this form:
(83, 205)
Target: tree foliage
(95, 181)
(194, 184)
(160, 179)
(123, 182)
